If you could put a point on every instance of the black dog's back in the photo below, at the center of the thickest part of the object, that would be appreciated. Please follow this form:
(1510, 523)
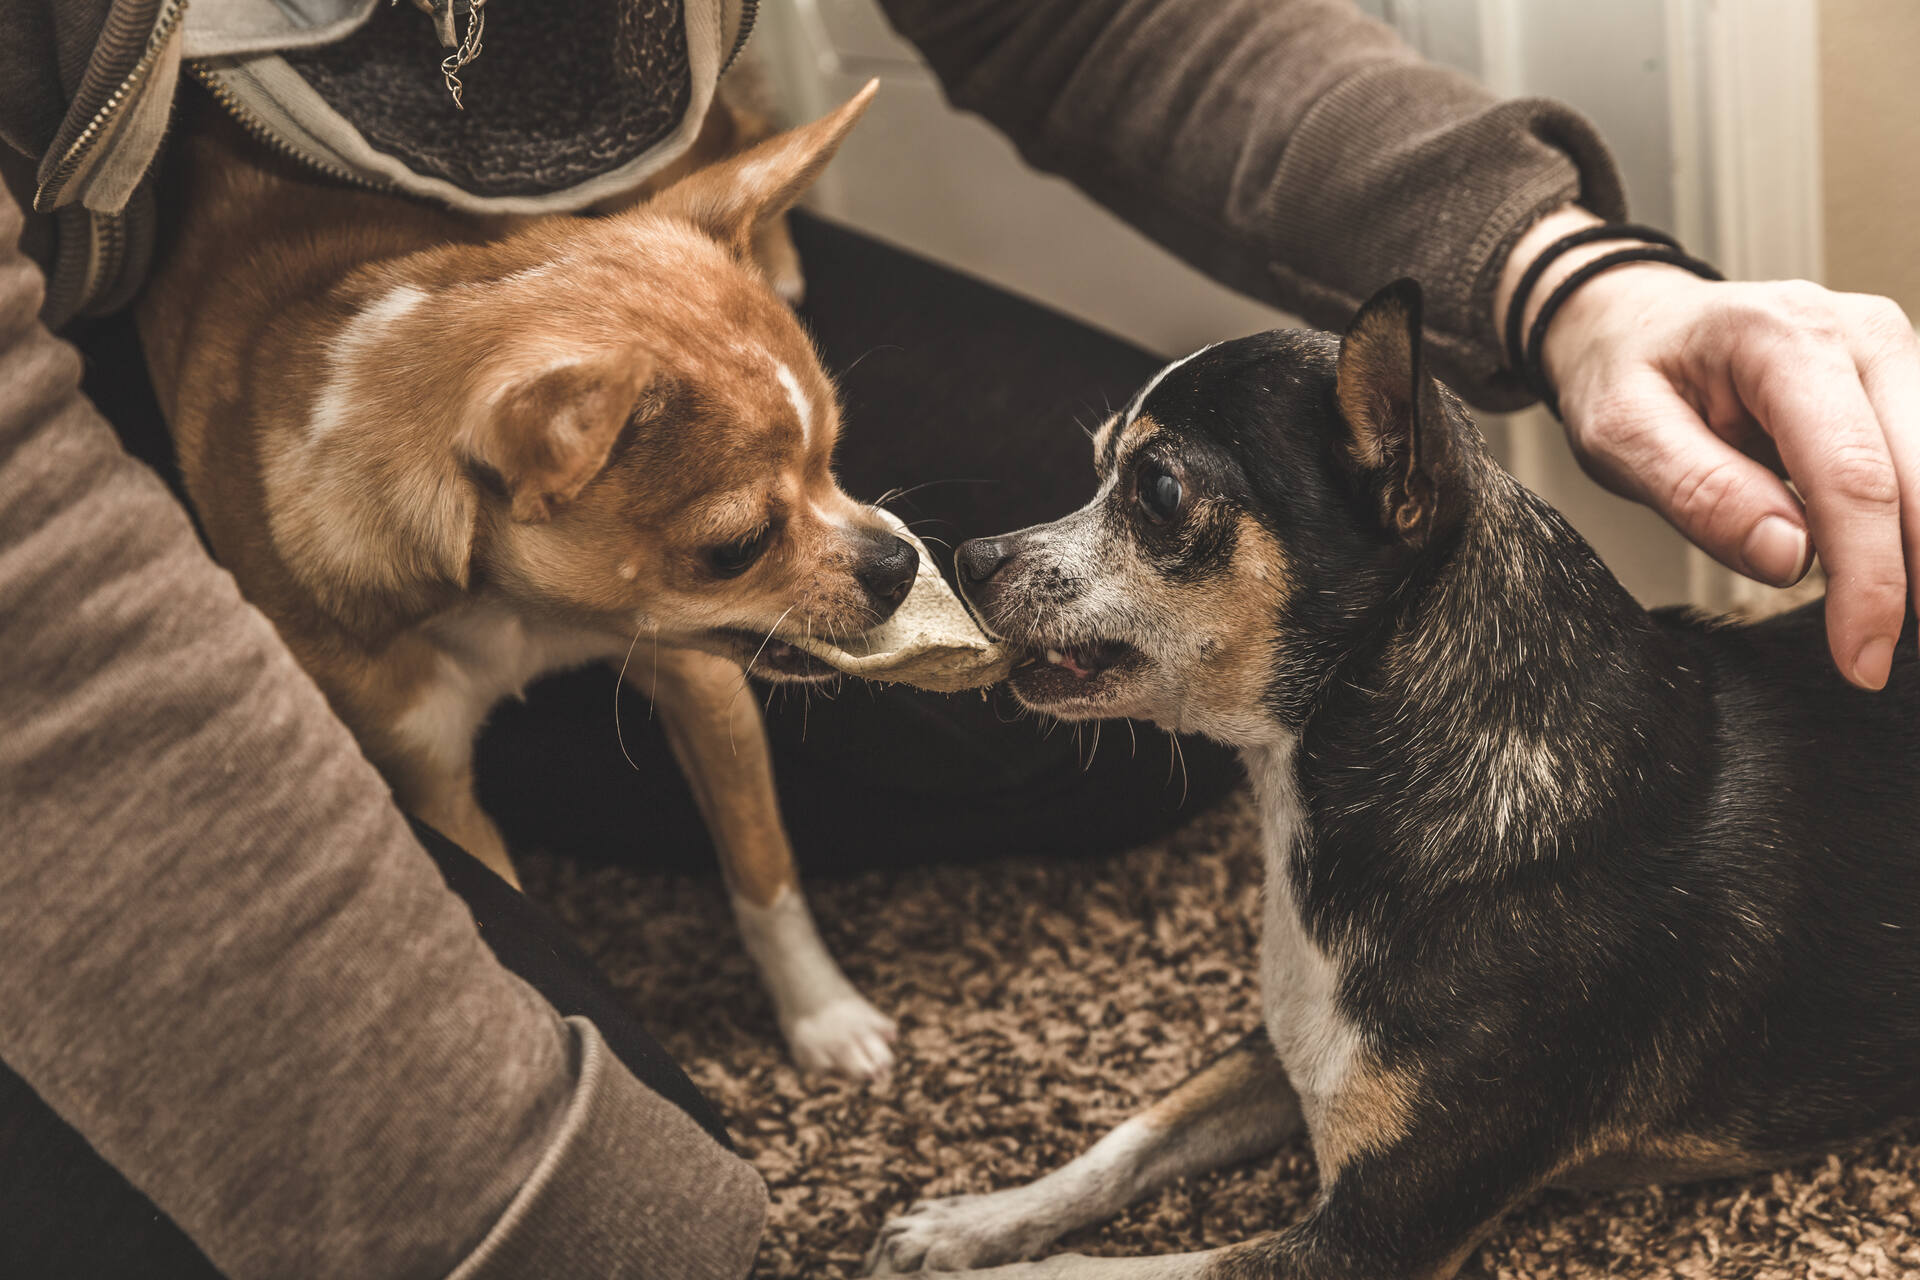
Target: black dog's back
(1815, 824)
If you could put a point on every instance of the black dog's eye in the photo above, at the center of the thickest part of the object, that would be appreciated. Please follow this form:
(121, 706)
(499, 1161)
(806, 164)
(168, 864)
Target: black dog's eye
(1159, 492)
(732, 559)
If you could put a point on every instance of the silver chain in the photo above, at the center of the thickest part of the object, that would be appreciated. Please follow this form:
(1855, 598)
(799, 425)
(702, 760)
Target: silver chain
(469, 49)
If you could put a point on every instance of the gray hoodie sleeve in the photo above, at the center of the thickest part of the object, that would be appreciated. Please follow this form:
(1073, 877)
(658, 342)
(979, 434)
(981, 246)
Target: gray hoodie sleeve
(1293, 149)
(228, 964)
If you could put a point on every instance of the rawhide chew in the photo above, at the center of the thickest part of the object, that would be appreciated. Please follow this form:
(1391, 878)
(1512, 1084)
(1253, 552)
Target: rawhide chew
(931, 641)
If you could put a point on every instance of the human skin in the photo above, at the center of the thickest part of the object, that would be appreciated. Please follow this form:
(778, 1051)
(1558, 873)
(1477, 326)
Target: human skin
(1685, 394)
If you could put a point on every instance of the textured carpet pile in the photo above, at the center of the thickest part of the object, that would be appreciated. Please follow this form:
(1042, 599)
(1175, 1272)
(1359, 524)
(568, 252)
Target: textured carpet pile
(1040, 1004)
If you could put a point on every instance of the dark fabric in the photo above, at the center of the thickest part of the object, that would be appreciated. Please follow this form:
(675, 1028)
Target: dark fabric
(562, 91)
(66, 1214)
(537, 947)
(57, 53)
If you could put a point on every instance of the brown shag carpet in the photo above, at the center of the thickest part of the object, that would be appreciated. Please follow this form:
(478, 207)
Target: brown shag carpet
(1040, 1004)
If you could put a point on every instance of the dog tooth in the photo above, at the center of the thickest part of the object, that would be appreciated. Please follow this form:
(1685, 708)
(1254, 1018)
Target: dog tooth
(1055, 656)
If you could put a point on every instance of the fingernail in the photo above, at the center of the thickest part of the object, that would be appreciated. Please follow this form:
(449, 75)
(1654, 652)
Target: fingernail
(1874, 661)
(1776, 552)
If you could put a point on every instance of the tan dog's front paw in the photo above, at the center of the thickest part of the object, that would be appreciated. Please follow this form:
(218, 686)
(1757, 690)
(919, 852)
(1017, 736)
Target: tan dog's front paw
(959, 1233)
(846, 1035)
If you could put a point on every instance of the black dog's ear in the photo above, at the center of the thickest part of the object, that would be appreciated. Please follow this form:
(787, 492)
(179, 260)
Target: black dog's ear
(1397, 425)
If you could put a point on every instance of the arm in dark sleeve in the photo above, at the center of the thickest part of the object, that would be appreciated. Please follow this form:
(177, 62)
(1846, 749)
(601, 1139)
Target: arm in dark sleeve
(229, 966)
(1293, 149)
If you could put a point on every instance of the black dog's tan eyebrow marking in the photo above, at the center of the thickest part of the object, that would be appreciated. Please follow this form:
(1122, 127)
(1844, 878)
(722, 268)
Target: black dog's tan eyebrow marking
(1112, 441)
(1127, 440)
(1103, 438)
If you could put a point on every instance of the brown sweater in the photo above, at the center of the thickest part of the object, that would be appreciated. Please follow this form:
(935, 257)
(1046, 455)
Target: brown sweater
(222, 945)
(1293, 149)
(228, 963)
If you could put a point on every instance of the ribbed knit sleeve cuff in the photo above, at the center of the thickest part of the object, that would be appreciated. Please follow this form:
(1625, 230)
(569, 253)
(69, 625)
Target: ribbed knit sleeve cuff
(629, 1187)
(1408, 169)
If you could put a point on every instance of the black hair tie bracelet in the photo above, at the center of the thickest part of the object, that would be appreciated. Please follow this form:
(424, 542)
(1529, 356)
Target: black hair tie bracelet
(1529, 368)
(1516, 354)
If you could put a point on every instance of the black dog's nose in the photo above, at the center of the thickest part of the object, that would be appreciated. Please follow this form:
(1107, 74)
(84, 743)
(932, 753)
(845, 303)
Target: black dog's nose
(888, 573)
(979, 559)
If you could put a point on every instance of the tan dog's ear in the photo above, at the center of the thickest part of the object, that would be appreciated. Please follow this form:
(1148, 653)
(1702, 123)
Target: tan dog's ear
(734, 198)
(548, 433)
(1393, 411)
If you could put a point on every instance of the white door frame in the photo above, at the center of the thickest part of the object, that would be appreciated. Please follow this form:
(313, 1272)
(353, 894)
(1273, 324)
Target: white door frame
(1745, 83)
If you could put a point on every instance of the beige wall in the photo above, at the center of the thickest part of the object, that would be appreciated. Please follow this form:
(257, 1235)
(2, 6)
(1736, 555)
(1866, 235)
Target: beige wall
(1870, 139)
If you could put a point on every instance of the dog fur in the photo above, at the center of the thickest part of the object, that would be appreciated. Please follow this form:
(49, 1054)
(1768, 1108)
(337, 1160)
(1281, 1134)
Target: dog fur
(448, 456)
(1558, 890)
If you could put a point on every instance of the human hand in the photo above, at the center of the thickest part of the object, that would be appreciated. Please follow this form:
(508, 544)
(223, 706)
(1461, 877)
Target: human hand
(1675, 390)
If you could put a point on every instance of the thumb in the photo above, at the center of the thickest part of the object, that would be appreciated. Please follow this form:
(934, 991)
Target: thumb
(1647, 443)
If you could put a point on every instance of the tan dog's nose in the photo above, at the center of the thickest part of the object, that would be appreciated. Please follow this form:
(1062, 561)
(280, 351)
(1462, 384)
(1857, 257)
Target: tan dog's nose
(887, 572)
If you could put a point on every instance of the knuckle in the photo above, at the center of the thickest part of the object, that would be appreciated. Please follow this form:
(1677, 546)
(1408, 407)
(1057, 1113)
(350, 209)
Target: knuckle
(1708, 493)
(1609, 429)
(1886, 319)
(1860, 475)
(1884, 594)
(1798, 310)
(1870, 595)
(1803, 294)
(1888, 333)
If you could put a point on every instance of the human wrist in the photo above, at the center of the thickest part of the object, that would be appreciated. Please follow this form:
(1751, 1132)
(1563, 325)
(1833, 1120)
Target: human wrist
(1555, 268)
(1551, 227)
(1616, 298)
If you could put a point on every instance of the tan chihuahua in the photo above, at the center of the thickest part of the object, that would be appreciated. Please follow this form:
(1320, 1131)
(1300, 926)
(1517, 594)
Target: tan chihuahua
(447, 457)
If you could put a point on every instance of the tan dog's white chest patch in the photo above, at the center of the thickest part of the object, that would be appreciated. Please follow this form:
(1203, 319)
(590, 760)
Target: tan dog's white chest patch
(485, 653)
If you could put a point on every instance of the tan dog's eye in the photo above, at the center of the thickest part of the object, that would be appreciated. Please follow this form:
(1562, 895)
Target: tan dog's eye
(1159, 492)
(731, 559)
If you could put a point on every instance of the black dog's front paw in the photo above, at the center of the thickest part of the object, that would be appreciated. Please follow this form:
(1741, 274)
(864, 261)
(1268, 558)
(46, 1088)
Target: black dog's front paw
(958, 1233)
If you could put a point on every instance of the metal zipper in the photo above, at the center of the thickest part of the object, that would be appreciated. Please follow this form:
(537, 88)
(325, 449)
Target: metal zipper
(49, 191)
(109, 257)
(749, 10)
(264, 135)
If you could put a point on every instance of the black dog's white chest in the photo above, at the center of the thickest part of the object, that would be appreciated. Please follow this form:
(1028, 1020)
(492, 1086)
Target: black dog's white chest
(1299, 980)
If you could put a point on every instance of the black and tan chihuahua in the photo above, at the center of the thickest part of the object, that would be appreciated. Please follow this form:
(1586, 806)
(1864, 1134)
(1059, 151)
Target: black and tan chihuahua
(1558, 891)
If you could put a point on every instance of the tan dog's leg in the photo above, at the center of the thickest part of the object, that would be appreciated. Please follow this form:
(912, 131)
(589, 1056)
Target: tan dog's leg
(449, 806)
(718, 737)
(426, 751)
(427, 758)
